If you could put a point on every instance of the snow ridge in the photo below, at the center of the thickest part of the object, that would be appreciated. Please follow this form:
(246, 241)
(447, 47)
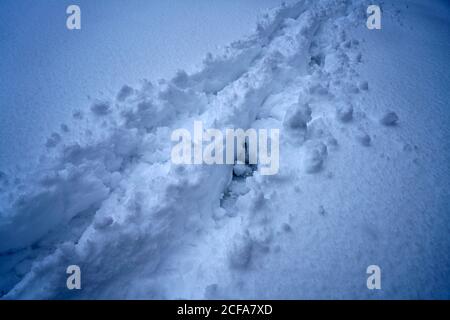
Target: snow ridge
(115, 206)
(139, 226)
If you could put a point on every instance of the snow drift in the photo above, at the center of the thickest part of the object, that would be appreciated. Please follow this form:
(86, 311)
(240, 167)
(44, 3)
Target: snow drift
(355, 187)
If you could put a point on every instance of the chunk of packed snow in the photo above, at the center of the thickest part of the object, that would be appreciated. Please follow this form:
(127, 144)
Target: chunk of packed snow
(344, 112)
(240, 252)
(124, 93)
(101, 108)
(316, 153)
(364, 138)
(297, 116)
(390, 119)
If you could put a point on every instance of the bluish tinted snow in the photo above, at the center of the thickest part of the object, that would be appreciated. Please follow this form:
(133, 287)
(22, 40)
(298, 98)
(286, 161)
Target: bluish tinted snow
(48, 71)
(364, 176)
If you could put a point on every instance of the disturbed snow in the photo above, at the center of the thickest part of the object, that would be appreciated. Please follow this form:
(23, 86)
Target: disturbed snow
(353, 187)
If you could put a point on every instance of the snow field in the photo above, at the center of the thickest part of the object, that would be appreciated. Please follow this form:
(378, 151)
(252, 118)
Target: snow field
(142, 227)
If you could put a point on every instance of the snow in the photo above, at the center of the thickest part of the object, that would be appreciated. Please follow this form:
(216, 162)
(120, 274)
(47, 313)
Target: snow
(390, 119)
(363, 176)
(297, 116)
(344, 112)
(67, 70)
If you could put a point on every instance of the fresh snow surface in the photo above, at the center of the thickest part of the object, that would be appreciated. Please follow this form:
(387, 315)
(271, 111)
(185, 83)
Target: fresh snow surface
(363, 179)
